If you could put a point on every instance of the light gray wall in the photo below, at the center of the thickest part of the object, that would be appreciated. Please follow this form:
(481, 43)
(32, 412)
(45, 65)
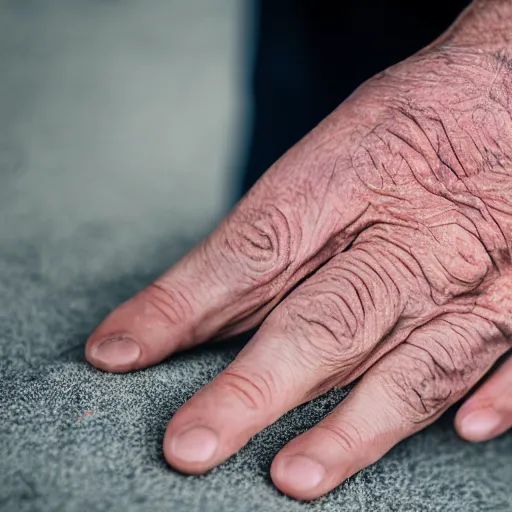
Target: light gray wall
(119, 122)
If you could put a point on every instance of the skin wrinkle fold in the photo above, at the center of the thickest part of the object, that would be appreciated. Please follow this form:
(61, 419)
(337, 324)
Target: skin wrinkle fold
(480, 275)
(453, 151)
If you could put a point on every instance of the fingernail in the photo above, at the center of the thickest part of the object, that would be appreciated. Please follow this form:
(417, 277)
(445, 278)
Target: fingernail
(480, 425)
(195, 445)
(302, 473)
(117, 351)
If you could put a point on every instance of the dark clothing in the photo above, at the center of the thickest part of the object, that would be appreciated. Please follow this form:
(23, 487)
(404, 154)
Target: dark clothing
(311, 54)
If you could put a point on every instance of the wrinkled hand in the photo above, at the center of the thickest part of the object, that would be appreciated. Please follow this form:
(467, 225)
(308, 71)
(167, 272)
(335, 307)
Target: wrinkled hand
(379, 246)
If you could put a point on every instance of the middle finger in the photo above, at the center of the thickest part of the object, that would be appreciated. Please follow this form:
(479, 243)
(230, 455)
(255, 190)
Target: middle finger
(321, 334)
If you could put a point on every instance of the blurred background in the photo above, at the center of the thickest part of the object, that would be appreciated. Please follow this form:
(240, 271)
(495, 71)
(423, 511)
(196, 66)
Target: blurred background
(120, 122)
(128, 128)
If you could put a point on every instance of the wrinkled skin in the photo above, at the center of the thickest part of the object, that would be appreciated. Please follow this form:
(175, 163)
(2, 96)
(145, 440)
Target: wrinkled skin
(379, 246)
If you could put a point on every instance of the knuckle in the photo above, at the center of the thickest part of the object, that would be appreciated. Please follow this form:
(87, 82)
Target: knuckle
(422, 386)
(421, 396)
(456, 347)
(429, 373)
(344, 434)
(327, 318)
(254, 391)
(259, 242)
(317, 323)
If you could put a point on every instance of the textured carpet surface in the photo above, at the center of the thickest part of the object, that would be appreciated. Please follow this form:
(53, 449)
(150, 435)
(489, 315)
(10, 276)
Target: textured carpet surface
(73, 438)
(103, 184)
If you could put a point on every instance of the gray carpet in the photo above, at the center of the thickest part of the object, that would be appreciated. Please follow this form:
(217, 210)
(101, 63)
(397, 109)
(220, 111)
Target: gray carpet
(73, 438)
(109, 170)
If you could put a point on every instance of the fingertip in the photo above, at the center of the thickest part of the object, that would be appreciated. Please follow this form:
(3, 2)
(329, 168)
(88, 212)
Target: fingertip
(134, 336)
(115, 353)
(191, 449)
(479, 425)
(298, 476)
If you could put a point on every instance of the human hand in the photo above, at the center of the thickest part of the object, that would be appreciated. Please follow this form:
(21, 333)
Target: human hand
(379, 246)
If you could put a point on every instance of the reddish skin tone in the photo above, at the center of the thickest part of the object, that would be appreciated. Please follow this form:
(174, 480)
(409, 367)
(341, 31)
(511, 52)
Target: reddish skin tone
(379, 246)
